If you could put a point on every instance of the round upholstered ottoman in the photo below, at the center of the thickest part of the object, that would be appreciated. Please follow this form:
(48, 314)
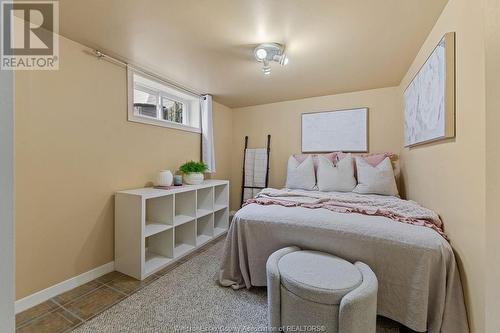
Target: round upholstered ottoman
(312, 290)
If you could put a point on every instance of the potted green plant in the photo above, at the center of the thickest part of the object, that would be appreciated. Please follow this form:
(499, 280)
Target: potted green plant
(193, 172)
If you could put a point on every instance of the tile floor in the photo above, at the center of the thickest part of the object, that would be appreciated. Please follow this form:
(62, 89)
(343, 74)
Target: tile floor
(69, 310)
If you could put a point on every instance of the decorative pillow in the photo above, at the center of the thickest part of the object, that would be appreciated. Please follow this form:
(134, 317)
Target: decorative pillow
(372, 159)
(376, 179)
(338, 178)
(300, 175)
(376, 159)
(302, 157)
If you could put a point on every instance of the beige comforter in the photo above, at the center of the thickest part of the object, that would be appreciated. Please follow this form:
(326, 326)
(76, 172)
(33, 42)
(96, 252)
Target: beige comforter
(419, 284)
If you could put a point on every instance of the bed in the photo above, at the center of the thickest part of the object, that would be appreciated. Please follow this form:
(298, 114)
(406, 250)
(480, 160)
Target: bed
(419, 283)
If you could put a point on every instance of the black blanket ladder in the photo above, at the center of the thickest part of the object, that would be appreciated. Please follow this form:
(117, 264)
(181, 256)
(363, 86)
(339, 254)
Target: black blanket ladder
(243, 186)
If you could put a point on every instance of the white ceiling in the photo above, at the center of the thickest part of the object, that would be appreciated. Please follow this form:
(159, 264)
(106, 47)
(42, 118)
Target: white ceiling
(334, 46)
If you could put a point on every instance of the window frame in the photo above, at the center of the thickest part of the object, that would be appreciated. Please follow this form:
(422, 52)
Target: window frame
(134, 116)
(148, 90)
(185, 107)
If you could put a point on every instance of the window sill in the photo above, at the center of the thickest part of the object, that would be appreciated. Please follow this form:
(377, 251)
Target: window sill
(163, 123)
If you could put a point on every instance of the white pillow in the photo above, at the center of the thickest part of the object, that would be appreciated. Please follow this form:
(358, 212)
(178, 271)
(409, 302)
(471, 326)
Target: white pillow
(300, 175)
(336, 178)
(376, 180)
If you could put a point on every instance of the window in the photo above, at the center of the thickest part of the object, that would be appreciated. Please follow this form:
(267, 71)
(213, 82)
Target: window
(172, 110)
(154, 102)
(145, 101)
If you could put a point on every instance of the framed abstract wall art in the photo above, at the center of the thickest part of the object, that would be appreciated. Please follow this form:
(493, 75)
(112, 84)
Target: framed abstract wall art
(342, 130)
(429, 100)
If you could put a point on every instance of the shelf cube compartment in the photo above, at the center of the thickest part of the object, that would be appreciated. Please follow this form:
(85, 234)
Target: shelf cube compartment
(159, 251)
(205, 201)
(221, 196)
(221, 221)
(160, 210)
(185, 207)
(185, 238)
(204, 229)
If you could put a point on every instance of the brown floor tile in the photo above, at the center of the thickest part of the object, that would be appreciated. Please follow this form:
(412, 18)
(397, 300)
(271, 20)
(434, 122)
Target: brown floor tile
(110, 277)
(94, 303)
(34, 312)
(129, 285)
(54, 322)
(76, 292)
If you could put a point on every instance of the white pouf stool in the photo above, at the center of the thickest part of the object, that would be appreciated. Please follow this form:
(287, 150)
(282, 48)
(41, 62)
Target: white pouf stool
(316, 290)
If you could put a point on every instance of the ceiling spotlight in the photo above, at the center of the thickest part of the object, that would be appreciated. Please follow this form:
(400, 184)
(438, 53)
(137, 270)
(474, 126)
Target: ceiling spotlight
(268, 52)
(260, 53)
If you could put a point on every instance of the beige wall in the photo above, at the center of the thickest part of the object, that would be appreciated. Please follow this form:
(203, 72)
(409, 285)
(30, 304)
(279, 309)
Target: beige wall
(74, 147)
(492, 29)
(449, 176)
(282, 121)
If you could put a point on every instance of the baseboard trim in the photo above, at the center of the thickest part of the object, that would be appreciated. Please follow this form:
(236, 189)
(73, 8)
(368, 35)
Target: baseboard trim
(46, 294)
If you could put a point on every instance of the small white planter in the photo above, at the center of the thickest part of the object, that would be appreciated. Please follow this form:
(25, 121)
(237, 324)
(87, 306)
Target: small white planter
(194, 178)
(165, 178)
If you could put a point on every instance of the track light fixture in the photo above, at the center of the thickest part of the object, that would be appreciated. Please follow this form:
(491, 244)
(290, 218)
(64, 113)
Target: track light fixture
(266, 68)
(267, 52)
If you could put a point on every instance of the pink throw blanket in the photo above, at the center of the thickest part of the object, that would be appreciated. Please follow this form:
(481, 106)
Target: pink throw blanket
(404, 211)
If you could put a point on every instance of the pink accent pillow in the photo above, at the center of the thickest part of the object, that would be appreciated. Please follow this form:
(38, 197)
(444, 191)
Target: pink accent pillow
(331, 156)
(372, 159)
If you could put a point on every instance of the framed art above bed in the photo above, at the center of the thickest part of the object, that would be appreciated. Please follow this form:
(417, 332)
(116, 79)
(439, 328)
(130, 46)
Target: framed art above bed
(342, 130)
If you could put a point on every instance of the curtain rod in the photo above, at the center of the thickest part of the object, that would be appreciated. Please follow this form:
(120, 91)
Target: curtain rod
(101, 55)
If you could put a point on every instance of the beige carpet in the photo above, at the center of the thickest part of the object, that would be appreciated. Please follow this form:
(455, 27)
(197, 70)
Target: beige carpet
(188, 299)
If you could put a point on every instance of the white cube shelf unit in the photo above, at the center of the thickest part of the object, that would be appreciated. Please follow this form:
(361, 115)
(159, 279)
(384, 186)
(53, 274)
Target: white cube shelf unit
(155, 227)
